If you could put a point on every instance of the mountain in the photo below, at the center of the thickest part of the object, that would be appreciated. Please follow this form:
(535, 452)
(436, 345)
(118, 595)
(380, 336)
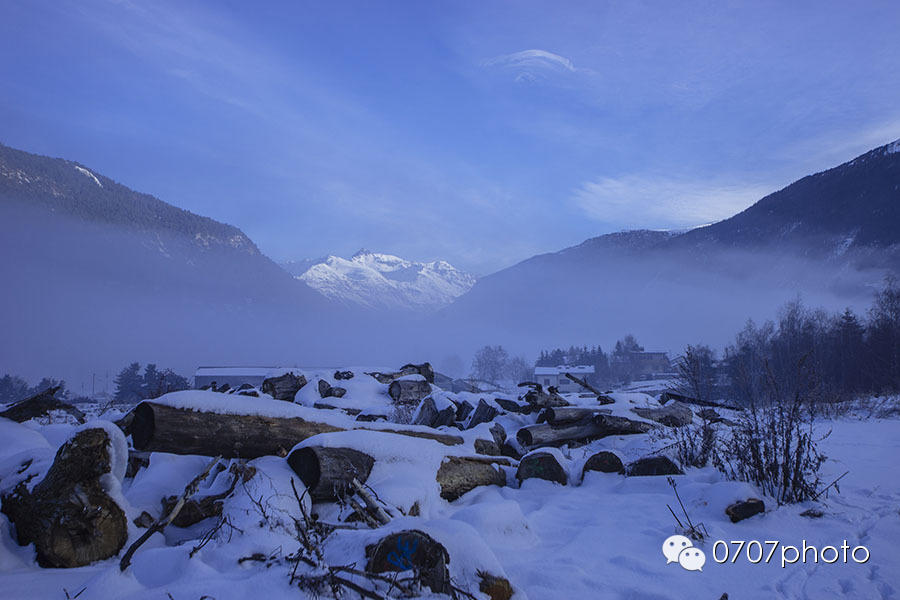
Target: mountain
(97, 274)
(830, 237)
(852, 207)
(383, 282)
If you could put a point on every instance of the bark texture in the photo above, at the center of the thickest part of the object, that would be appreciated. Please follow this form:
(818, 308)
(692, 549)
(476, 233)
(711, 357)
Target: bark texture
(68, 516)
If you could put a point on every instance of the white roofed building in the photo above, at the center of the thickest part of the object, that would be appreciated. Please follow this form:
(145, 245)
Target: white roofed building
(556, 376)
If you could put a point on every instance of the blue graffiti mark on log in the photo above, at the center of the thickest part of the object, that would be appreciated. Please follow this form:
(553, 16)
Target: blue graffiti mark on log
(406, 547)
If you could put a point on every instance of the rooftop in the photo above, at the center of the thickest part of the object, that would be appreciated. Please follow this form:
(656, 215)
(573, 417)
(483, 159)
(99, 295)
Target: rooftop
(561, 369)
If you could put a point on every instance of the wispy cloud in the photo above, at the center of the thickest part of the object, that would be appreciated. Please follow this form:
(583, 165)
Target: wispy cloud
(641, 201)
(530, 65)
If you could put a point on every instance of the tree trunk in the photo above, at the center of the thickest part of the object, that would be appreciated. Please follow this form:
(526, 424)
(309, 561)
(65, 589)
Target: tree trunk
(327, 472)
(460, 474)
(68, 516)
(161, 428)
(598, 426)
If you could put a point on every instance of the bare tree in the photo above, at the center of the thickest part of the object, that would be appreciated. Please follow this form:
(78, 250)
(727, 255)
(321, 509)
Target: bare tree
(696, 373)
(490, 363)
(518, 369)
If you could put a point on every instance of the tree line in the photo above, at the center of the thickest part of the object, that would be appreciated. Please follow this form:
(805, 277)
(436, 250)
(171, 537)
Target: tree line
(841, 355)
(132, 385)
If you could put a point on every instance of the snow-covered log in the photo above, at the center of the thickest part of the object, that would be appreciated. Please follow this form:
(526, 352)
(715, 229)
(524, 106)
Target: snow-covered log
(414, 551)
(460, 474)
(328, 472)
(541, 465)
(675, 414)
(484, 413)
(429, 416)
(161, 428)
(596, 427)
(568, 414)
(538, 398)
(407, 391)
(284, 387)
(601, 398)
(71, 516)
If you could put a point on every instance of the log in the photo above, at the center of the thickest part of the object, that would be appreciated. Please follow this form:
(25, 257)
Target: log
(284, 387)
(406, 391)
(484, 413)
(487, 447)
(537, 398)
(604, 462)
(425, 370)
(675, 414)
(463, 409)
(427, 413)
(160, 428)
(541, 465)
(430, 416)
(498, 433)
(495, 587)
(568, 414)
(513, 406)
(666, 396)
(328, 472)
(68, 516)
(40, 405)
(599, 426)
(602, 398)
(194, 510)
(412, 550)
(460, 474)
(653, 465)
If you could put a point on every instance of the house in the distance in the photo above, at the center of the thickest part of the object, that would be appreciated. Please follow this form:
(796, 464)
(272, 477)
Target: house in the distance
(234, 376)
(640, 365)
(556, 376)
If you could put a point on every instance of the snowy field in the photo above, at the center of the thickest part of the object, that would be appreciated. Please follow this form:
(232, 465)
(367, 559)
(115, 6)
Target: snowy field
(597, 538)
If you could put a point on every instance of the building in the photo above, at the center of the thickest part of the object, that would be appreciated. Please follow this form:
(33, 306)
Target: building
(234, 376)
(556, 376)
(641, 365)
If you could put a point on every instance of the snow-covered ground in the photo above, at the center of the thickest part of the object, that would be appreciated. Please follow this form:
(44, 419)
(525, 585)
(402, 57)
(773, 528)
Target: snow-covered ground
(597, 538)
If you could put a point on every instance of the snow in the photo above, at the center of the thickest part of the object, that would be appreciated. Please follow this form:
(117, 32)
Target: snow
(892, 147)
(596, 538)
(385, 281)
(89, 174)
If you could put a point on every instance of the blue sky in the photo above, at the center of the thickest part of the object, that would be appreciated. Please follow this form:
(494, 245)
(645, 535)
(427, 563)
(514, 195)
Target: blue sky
(477, 132)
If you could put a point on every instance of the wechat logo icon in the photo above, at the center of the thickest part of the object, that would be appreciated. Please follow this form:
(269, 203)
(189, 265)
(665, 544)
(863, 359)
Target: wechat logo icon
(680, 549)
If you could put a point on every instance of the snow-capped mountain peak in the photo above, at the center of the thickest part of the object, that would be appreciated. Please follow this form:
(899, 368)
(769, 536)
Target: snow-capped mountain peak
(384, 281)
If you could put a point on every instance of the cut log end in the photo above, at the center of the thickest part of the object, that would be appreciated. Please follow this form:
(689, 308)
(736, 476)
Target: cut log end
(142, 425)
(328, 473)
